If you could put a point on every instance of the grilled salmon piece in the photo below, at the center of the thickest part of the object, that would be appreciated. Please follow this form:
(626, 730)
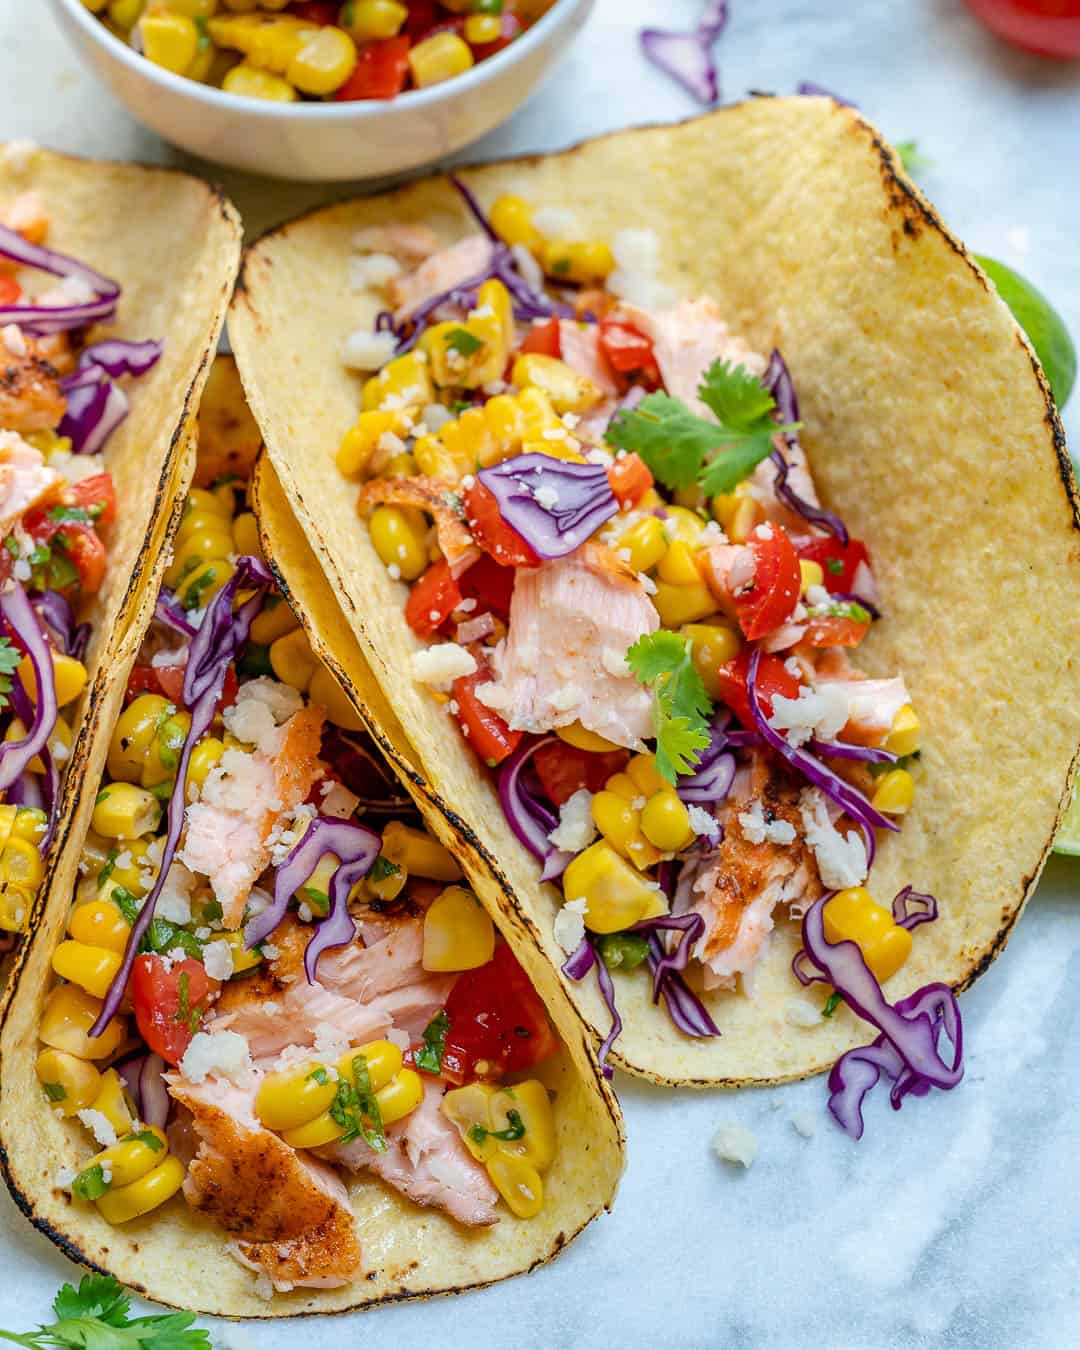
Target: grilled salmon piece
(440, 501)
(25, 479)
(30, 395)
(442, 271)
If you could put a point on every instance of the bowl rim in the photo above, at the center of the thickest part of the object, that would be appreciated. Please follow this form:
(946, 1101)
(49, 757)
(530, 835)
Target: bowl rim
(359, 110)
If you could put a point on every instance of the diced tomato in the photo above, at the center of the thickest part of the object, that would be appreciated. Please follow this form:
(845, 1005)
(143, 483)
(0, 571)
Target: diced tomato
(432, 600)
(320, 12)
(423, 15)
(543, 339)
(629, 352)
(564, 769)
(484, 729)
(169, 682)
(510, 27)
(839, 562)
(829, 630)
(492, 533)
(773, 678)
(142, 680)
(491, 585)
(498, 1022)
(10, 290)
(771, 600)
(87, 552)
(171, 999)
(381, 71)
(96, 496)
(630, 478)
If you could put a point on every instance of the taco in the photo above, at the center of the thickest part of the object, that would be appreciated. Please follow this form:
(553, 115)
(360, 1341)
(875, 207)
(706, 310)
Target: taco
(683, 554)
(284, 1060)
(106, 332)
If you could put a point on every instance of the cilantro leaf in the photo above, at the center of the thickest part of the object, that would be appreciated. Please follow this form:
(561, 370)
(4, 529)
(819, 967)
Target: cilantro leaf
(97, 1296)
(95, 1317)
(831, 1004)
(682, 449)
(463, 342)
(9, 662)
(515, 1129)
(90, 1184)
(356, 1108)
(429, 1056)
(60, 513)
(681, 706)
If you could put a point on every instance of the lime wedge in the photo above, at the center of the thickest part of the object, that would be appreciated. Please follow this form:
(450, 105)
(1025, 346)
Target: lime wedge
(1041, 322)
(1068, 835)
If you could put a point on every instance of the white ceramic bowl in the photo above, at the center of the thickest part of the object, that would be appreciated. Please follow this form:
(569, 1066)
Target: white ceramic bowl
(324, 141)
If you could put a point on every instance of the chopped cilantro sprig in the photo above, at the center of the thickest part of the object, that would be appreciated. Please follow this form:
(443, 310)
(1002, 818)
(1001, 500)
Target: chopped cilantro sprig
(95, 1317)
(662, 661)
(682, 448)
(9, 662)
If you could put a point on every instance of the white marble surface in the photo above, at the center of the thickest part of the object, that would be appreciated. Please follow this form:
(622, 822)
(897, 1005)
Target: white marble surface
(958, 1221)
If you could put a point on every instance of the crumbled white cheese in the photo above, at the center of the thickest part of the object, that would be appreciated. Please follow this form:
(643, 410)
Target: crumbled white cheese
(99, 1125)
(569, 926)
(800, 1012)
(575, 830)
(218, 959)
(805, 1123)
(547, 496)
(174, 902)
(436, 416)
(224, 1054)
(818, 595)
(77, 290)
(527, 265)
(841, 860)
(64, 1177)
(637, 264)
(262, 705)
(13, 338)
(764, 531)
(817, 712)
(439, 666)
(703, 822)
(557, 222)
(735, 1143)
(365, 350)
(373, 270)
(400, 1037)
(758, 830)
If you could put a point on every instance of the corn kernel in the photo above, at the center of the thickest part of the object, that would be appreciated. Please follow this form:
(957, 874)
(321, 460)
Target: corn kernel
(243, 957)
(397, 543)
(129, 1159)
(246, 535)
(677, 605)
(248, 82)
(584, 261)
(399, 1097)
(366, 20)
(21, 865)
(623, 786)
(458, 933)
(290, 1098)
(204, 501)
(92, 968)
(382, 1059)
(905, 736)
(583, 739)
(403, 383)
(272, 622)
(646, 542)
(419, 853)
(665, 822)
(99, 924)
(711, 645)
(69, 677)
(482, 28)
(126, 13)
(811, 574)
(69, 1014)
(323, 1129)
(683, 524)
(469, 1107)
(202, 759)
(200, 586)
(894, 792)
(620, 825)
(852, 915)
(616, 894)
(519, 1184)
(512, 221)
(566, 390)
(678, 567)
(439, 58)
(361, 440)
(15, 905)
(70, 1083)
(292, 660)
(129, 1202)
(169, 40)
(643, 773)
(124, 811)
(533, 1105)
(193, 9)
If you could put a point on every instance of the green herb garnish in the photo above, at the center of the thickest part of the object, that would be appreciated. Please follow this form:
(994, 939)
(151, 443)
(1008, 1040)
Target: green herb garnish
(834, 566)
(683, 449)
(10, 658)
(95, 1317)
(382, 869)
(515, 1129)
(832, 1003)
(319, 1075)
(429, 1056)
(56, 1092)
(147, 1137)
(126, 903)
(90, 1184)
(110, 866)
(68, 513)
(318, 900)
(463, 342)
(681, 707)
(356, 1109)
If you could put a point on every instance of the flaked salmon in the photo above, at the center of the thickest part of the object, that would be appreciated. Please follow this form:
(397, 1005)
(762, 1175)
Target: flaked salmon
(564, 657)
(246, 798)
(25, 479)
(440, 501)
(30, 395)
(467, 260)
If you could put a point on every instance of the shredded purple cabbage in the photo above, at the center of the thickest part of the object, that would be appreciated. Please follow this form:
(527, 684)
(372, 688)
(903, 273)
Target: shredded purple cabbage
(21, 621)
(687, 57)
(356, 847)
(95, 408)
(44, 319)
(530, 819)
(581, 500)
(142, 1074)
(778, 381)
(576, 967)
(684, 1007)
(220, 638)
(55, 612)
(867, 754)
(117, 356)
(172, 614)
(911, 908)
(714, 772)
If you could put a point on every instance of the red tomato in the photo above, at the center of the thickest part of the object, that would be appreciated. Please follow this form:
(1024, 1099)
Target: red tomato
(830, 631)
(95, 495)
(839, 562)
(432, 600)
(777, 582)
(316, 11)
(423, 15)
(498, 1023)
(142, 680)
(484, 729)
(772, 678)
(10, 290)
(630, 478)
(564, 769)
(491, 585)
(511, 27)
(1047, 27)
(170, 1002)
(491, 532)
(169, 681)
(381, 71)
(544, 339)
(629, 352)
(74, 539)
